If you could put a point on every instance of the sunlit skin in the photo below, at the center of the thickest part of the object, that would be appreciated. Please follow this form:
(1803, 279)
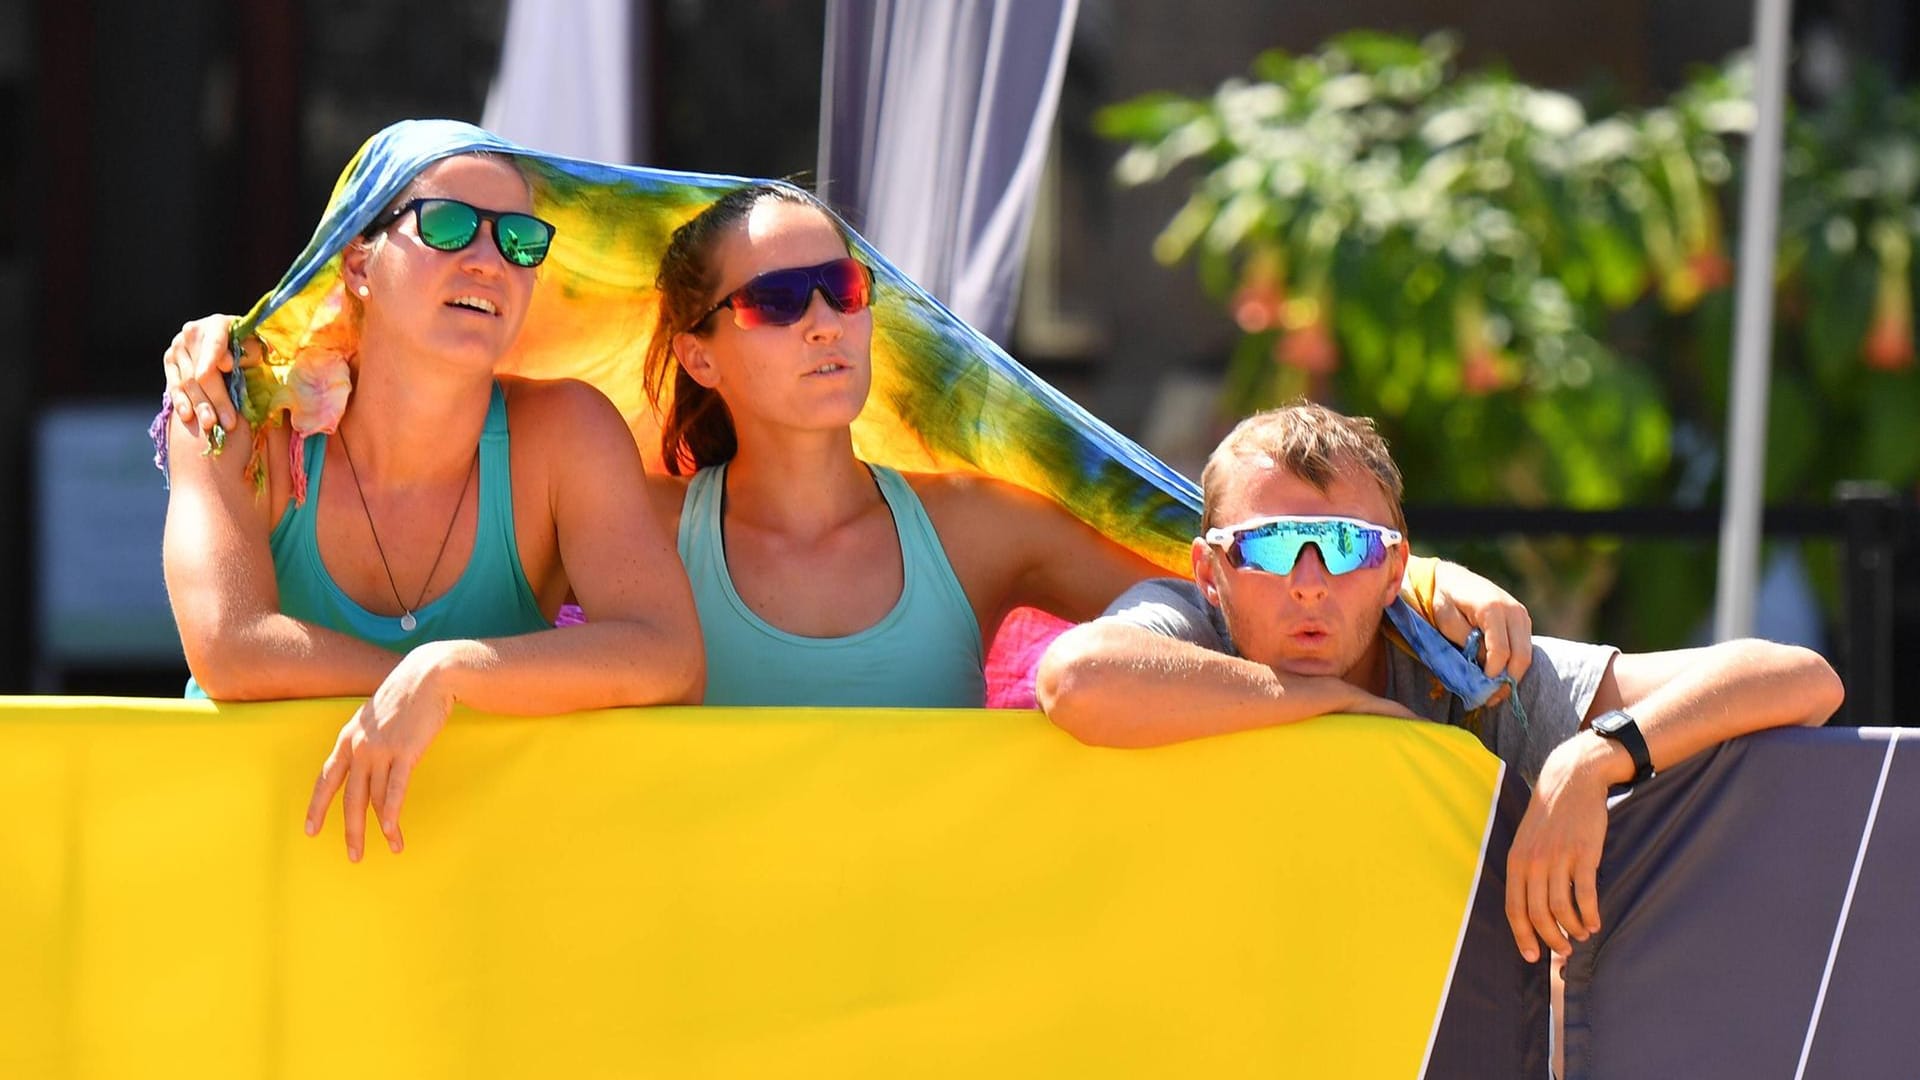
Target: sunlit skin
(419, 315)
(397, 522)
(426, 349)
(1307, 622)
(810, 378)
(811, 546)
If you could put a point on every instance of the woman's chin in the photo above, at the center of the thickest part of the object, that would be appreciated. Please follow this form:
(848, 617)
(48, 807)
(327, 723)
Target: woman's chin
(838, 409)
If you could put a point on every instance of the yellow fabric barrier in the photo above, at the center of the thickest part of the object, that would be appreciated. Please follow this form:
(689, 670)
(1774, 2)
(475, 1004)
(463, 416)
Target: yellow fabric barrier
(729, 892)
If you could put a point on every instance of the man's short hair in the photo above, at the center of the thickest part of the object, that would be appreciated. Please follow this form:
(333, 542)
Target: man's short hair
(1309, 441)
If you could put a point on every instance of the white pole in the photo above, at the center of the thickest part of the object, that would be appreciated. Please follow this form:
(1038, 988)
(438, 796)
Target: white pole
(1753, 329)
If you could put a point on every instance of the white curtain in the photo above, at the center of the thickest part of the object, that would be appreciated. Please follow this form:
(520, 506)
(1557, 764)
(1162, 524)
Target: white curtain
(568, 69)
(935, 121)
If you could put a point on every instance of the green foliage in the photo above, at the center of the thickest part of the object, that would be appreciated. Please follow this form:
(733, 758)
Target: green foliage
(1532, 299)
(1437, 249)
(1844, 350)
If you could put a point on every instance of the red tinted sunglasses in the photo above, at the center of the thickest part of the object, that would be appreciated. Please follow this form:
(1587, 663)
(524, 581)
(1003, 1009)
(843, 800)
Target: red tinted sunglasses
(780, 297)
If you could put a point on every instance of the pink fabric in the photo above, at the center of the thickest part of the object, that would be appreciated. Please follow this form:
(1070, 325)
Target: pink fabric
(1014, 658)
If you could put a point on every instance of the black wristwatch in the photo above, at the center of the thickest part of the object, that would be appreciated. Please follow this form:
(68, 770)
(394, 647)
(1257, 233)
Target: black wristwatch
(1622, 728)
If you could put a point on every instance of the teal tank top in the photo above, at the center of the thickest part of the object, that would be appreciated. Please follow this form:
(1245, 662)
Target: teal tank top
(925, 653)
(490, 599)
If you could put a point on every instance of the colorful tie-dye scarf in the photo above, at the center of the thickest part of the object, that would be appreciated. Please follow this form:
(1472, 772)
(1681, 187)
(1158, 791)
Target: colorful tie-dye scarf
(944, 399)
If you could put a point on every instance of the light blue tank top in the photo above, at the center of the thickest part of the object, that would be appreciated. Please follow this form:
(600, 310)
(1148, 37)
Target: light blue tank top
(925, 653)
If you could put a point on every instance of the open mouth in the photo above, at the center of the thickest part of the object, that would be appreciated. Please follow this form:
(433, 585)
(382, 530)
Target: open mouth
(831, 367)
(474, 303)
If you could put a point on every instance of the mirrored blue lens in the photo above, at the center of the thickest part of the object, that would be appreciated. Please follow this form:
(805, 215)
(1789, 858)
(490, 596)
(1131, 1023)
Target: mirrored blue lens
(1344, 547)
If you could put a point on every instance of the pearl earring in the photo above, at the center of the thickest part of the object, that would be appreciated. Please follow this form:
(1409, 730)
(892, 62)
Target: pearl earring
(364, 292)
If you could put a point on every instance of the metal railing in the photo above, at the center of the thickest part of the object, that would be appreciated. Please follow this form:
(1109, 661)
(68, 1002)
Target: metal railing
(1867, 521)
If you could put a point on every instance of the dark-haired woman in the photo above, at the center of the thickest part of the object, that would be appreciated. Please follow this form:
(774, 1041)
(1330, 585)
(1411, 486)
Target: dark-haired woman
(822, 579)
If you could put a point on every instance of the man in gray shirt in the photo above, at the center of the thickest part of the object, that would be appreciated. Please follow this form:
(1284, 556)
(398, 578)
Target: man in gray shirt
(1302, 554)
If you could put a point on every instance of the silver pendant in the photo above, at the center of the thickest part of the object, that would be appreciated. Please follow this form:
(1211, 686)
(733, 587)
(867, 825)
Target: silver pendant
(408, 622)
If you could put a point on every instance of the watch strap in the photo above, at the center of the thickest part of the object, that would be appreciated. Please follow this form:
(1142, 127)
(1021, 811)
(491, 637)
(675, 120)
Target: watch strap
(1621, 727)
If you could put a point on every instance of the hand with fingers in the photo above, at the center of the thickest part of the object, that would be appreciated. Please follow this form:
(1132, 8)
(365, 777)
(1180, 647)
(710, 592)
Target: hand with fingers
(197, 363)
(1552, 867)
(374, 757)
(1464, 601)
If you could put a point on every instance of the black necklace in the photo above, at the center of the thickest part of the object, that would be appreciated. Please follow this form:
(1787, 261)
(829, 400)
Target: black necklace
(407, 621)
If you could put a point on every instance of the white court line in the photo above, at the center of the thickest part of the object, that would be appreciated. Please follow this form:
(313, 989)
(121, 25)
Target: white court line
(1846, 906)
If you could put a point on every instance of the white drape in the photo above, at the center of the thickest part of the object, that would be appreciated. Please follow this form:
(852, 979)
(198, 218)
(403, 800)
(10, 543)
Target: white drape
(935, 121)
(566, 79)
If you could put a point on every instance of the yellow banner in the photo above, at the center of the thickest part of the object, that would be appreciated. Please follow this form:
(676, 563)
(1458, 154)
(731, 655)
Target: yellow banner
(729, 892)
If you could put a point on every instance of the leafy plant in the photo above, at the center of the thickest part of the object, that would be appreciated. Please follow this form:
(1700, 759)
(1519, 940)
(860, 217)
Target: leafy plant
(1531, 300)
(1844, 360)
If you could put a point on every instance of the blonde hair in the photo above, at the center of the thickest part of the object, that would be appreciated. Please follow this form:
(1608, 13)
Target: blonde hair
(1309, 441)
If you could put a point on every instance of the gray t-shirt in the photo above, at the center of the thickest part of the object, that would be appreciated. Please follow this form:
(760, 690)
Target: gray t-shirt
(1555, 695)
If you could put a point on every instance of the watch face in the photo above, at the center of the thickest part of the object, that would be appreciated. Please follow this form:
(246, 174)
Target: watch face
(1610, 722)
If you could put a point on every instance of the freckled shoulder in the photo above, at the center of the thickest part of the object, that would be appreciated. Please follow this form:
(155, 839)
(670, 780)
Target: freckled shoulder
(558, 403)
(565, 420)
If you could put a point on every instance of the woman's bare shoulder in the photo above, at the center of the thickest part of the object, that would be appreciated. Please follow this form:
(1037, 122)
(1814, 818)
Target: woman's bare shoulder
(570, 425)
(556, 401)
(669, 495)
(972, 494)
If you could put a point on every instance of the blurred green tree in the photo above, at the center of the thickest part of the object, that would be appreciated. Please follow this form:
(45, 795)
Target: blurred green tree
(1532, 301)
